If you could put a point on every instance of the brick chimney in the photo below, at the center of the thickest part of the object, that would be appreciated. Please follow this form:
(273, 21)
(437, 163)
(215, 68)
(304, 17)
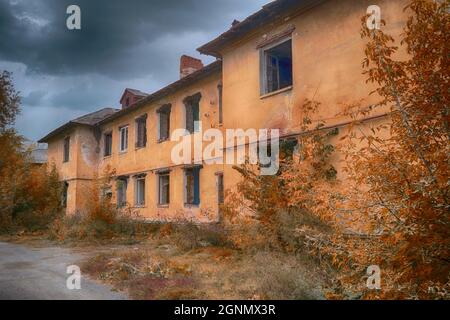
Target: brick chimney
(189, 65)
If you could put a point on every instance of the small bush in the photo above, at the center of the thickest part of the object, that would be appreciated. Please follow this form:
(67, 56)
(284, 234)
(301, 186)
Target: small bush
(188, 236)
(285, 277)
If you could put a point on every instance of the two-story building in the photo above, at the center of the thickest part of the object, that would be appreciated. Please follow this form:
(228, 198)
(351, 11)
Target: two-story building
(267, 66)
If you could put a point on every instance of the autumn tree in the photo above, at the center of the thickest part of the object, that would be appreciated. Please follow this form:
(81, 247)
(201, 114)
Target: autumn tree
(9, 101)
(393, 208)
(401, 189)
(30, 196)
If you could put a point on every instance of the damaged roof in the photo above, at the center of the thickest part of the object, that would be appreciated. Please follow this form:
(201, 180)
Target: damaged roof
(90, 119)
(269, 12)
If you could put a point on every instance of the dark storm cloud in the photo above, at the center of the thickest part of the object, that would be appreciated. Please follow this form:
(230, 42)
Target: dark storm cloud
(119, 39)
(34, 98)
(63, 74)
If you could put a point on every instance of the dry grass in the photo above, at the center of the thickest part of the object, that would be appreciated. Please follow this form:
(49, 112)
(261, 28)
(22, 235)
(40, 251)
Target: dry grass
(160, 268)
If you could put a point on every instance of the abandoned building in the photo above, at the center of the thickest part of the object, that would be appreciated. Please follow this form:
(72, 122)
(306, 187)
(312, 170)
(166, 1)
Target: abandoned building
(266, 67)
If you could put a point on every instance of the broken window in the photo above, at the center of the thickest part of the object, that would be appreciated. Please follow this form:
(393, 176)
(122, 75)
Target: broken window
(164, 189)
(192, 186)
(141, 131)
(164, 122)
(192, 105)
(123, 145)
(140, 191)
(108, 144)
(219, 91)
(276, 67)
(66, 149)
(122, 184)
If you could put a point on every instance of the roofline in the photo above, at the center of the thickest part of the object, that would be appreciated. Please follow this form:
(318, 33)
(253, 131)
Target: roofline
(129, 90)
(73, 123)
(61, 129)
(269, 12)
(207, 70)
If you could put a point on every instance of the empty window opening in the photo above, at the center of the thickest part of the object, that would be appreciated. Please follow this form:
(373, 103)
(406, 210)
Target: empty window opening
(192, 186)
(64, 194)
(108, 144)
(141, 131)
(164, 123)
(66, 149)
(140, 191)
(192, 106)
(219, 92)
(123, 145)
(276, 67)
(164, 189)
(220, 188)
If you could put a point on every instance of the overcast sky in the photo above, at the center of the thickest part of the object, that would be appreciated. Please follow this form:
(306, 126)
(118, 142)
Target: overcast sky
(62, 74)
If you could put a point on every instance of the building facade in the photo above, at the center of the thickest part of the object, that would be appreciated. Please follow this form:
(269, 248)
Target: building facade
(267, 66)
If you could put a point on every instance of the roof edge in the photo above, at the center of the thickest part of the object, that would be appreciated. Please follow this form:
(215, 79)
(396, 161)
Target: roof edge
(267, 13)
(207, 70)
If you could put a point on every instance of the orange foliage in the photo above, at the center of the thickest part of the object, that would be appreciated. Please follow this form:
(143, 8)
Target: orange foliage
(392, 210)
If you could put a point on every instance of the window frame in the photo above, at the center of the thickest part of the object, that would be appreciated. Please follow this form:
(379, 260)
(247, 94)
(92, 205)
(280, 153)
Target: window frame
(141, 120)
(66, 149)
(189, 103)
(220, 102)
(121, 141)
(263, 66)
(161, 176)
(121, 191)
(220, 181)
(105, 135)
(65, 194)
(166, 110)
(137, 201)
(196, 200)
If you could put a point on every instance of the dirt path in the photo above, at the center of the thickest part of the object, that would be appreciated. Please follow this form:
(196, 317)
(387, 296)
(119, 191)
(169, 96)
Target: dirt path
(41, 273)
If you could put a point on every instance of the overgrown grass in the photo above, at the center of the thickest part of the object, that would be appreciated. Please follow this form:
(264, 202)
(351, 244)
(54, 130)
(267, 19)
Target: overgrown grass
(176, 262)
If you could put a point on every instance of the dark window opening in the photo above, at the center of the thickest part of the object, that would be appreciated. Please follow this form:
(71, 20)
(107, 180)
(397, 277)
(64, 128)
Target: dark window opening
(192, 190)
(141, 131)
(66, 149)
(164, 189)
(277, 67)
(219, 89)
(164, 122)
(220, 189)
(108, 144)
(64, 194)
(192, 105)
